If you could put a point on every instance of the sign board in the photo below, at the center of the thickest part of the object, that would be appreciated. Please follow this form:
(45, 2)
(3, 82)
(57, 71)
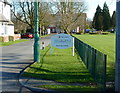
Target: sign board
(62, 41)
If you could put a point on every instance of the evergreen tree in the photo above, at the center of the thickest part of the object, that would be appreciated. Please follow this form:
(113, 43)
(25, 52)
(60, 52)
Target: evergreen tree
(98, 19)
(113, 21)
(106, 17)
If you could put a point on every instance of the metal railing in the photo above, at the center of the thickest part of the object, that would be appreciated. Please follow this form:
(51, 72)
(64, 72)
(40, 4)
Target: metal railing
(95, 62)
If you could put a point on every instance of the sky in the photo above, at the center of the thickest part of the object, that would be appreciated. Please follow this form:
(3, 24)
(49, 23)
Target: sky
(92, 5)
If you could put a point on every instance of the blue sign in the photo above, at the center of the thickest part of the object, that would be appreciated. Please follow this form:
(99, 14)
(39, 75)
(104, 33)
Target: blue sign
(62, 41)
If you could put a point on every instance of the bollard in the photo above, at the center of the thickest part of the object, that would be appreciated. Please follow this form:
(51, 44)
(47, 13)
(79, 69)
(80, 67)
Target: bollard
(43, 45)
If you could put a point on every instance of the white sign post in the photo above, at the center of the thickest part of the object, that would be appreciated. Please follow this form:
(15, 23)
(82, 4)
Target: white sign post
(73, 46)
(62, 41)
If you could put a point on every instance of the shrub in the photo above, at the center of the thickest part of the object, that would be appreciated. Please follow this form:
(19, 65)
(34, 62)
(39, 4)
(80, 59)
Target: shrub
(11, 38)
(78, 33)
(4, 39)
(93, 32)
(1, 39)
(105, 33)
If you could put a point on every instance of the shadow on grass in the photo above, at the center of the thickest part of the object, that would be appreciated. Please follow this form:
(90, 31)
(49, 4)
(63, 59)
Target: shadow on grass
(72, 89)
(42, 60)
(71, 77)
(64, 76)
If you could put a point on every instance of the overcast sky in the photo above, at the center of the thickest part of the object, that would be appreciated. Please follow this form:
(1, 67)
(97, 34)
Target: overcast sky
(92, 5)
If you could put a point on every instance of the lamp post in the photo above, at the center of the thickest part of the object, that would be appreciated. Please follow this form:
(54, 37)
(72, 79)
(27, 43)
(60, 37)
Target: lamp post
(36, 35)
(117, 76)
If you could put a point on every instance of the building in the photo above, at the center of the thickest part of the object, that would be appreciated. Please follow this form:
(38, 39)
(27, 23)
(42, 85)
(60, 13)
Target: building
(77, 27)
(82, 23)
(6, 25)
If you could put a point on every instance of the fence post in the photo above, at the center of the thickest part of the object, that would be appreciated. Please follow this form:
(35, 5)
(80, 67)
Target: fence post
(105, 61)
(94, 62)
(87, 56)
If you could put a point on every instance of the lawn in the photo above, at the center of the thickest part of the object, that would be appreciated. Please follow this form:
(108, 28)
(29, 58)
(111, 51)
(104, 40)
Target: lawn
(105, 44)
(62, 67)
(72, 89)
(12, 42)
(45, 35)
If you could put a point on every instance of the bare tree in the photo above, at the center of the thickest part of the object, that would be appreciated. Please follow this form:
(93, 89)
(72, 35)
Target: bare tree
(45, 16)
(69, 14)
(20, 27)
(26, 11)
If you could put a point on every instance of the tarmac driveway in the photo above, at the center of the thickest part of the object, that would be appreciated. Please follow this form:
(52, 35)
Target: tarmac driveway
(14, 59)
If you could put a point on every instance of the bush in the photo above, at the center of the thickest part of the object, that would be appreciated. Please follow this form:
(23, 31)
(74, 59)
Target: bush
(93, 32)
(4, 39)
(11, 38)
(105, 33)
(112, 31)
(78, 33)
(1, 39)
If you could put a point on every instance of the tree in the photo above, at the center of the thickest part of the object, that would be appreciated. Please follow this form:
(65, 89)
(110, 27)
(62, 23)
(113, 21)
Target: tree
(98, 19)
(26, 11)
(45, 16)
(68, 15)
(89, 24)
(19, 26)
(113, 20)
(106, 17)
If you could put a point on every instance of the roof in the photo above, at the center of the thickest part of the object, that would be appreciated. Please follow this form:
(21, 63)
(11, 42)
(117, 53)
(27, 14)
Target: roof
(6, 2)
(3, 19)
(10, 23)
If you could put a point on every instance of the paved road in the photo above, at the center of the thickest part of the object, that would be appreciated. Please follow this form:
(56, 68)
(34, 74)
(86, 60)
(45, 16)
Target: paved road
(14, 59)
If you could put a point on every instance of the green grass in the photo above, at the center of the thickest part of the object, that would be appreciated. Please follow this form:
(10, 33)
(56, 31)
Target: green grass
(45, 35)
(105, 44)
(62, 67)
(70, 88)
(12, 42)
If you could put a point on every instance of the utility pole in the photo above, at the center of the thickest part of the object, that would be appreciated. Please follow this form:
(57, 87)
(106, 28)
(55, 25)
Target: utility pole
(36, 35)
(117, 76)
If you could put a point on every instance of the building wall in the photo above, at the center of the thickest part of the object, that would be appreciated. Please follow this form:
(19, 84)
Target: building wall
(6, 11)
(1, 7)
(1, 29)
(10, 30)
(5, 29)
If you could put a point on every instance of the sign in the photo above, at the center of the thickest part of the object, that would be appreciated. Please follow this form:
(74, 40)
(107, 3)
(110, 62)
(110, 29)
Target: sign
(62, 41)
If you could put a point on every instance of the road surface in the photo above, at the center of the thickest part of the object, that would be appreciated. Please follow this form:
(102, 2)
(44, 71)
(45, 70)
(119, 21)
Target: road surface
(14, 59)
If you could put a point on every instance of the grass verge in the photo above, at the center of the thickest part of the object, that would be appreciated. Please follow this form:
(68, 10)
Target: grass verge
(60, 66)
(12, 42)
(70, 88)
(45, 35)
(105, 44)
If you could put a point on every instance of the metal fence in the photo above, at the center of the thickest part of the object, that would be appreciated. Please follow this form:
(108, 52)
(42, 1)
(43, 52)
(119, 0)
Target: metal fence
(95, 62)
